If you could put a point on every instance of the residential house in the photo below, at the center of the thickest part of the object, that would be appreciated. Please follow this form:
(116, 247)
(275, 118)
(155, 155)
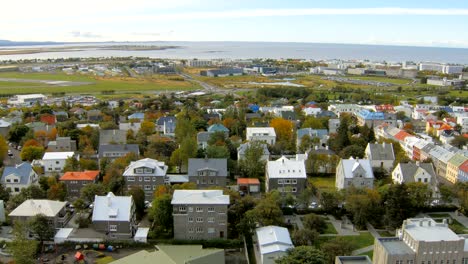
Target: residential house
(248, 185)
(15, 178)
(333, 125)
(166, 125)
(75, 180)
(113, 152)
(218, 128)
(115, 216)
(417, 172)
(273, 243)
(113, 136)
(286, 176)
(175, 254)
(372, 119)
(61, 116)
(4, 128)
(208, 172)
(318, 136)
(200, 214)
(62, 144)
(53, 210)
(243, 148)
(380, 155)
(137, 116)
(463, 172)
(202, 139)
(440, 157)
(48, 119)
(95, 115)
(265, 134)
(453, 167)
(311, 110)
(55, 161)
(421, 240)
(147, 174)
(354, 172)
(134, 126)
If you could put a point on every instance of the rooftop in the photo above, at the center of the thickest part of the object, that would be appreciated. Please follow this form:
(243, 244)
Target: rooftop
(34, 207)
(273, 239)
(58, 155)
(285, 168)
(199, 197)
(426, 229)
(112, 208)
(80, 175)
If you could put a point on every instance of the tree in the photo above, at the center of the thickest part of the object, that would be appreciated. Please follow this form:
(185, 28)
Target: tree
(184, 129)
(446, 193)
(252, 165)
(57, 191)
(419, 193)
(161, 214)
(217, 152)
(314, 122)
(268, 211)
(188, 149)
(236, 213)
(17, 132)
(354, 151)
(3, 148)
(362, 205)
(139, 198)
(398, 205)
(147, 127)
(314, 222)
(283, 129)
(336, 247)
(40, 227)
(4, 194)
(330, 200)
(459, 141)
(306, 143)
(92, 189)
(302, 255)
(31, 153)
(31, 142)
(22, 249)
(304, 237)
(71, 164)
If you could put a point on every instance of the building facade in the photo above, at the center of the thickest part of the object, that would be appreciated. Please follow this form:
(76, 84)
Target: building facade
(147, 174)
(208, 172)
(75, 180)
(286, 176)
(354, 172)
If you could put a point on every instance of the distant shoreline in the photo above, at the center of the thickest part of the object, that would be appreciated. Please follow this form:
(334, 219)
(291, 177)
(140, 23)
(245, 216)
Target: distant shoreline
(18, 51)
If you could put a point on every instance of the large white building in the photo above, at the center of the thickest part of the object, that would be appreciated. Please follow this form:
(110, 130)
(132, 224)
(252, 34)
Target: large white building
(265, 134)
(55, 161)
(26, 99)
(354, 172)
(286, 176)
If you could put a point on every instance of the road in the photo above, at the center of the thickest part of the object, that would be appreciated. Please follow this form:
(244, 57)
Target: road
(208, 87)
(15, 159)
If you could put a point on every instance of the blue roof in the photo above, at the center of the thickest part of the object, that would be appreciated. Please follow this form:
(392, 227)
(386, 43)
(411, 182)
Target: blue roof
(368, 115)
(254, 108)
(320, 133)
(217, 127)
(23, 171)
(137, 116)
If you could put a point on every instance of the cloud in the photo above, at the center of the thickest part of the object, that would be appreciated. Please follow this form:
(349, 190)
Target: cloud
(78, 34)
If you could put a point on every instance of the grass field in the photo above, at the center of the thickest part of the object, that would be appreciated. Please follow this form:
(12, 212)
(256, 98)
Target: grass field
(396, 81)
(330, 229)
(364, 239)
(323, 183)
(117, 84)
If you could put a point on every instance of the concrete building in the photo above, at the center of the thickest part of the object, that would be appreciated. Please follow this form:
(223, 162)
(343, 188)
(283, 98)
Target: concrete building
(223, 72)
(265, 134)
(199, 63)
(272, 243)
(26, 99)
(53, 210)
(15, 178)
(62, 144)
(380, 155)
(286, 176)
(75, 180)
(200, 214)
(333, 125)
(147, 174)
(208, 172)
(55, 161)
(354, 172)
(421, 240)
(115, 216)
(113, 152)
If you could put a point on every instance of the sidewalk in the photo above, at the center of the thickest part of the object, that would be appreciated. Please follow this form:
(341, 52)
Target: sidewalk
(362, 250)
(343, 229)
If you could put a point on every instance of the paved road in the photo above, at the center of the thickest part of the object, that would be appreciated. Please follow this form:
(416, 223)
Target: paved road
(46, 82)
(15, 159)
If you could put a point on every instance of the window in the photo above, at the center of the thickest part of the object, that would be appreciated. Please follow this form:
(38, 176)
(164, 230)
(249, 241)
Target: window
(211, 209)
(15, 180)
(199, 219)
(287, 181)
(201, 173)
(154, 178)
(222, 222)
(154, 187)
(190, 230)
(280, 181)
(17, 189)
(211, 230)
(210, 219)
(294, 189)
(131, 179)
(140, 178)
(190, 219)
(203, 181)
(8, 180)
(147, 179)
(294, 181)
(113, 228)
(182, 208)
(139, 170)
(190, 209)
(199, 229)
(57, 162)
(212, 181)
(199, 210)
(148, 170)
(147, 187)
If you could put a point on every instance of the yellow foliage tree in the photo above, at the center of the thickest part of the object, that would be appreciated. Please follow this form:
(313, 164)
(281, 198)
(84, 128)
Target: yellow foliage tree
(283, 129)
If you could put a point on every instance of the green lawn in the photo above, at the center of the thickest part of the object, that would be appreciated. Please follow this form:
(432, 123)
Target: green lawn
(330, 229)
(18, 84)
(396, 81)
(364, 239)
(323, 183)
(369, 253)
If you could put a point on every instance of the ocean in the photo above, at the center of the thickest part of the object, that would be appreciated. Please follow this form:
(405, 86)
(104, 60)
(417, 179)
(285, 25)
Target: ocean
(250, 50)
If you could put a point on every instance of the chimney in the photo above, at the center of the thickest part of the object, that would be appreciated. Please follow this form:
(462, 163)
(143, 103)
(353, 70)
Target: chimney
(444, 221)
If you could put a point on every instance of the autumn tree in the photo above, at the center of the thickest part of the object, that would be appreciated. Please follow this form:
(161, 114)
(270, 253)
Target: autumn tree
(283, 129)
(161, 214)
(31, 153)
(31, 142)
(3, 148)
(147, 127)
(56, 190)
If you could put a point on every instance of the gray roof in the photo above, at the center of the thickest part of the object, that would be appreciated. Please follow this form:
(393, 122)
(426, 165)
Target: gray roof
(203, 136)
(118, 148)
(162, 120)
(113, 135)
(409, 169)
(394, 246)
(23, 171)
(243, 147)
(382, 151)
(320, 133)
(220, 165)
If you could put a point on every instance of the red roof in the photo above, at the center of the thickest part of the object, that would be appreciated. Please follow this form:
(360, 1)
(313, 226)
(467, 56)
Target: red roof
(400, 136)
(80, 176)
(247, 181)
(464, 166)
(48, 119)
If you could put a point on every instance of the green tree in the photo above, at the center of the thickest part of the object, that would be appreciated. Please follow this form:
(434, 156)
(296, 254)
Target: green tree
(314, 222)
(188, 149)
(139, 198)
(304, 237)
(306, 143)
(251, 164)
(236, 213)
(330, 200)
(17, 133)
(92, 189)
(161, 214)
(362, 205)
(31, 153)
(336, 247)
(419, 193)
(447, 193)
(268, 211)
(71, 164)
(184, 129)
(40, 228)
(354, 151)
(302, 255)
(459, 141)
(314, 122)
(217, 152)
(3, 148)
(23, 249)
(398, 205)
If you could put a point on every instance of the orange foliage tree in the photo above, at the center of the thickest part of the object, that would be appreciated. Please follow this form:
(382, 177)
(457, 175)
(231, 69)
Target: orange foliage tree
(283, 129)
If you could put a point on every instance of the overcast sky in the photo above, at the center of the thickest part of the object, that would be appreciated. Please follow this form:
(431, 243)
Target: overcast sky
(399, 22)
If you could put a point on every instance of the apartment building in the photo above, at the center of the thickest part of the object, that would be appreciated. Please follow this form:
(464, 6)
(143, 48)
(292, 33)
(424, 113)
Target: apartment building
(208, 172)
(265, 134)
(75, 180)
(147, 174)
(286, 176)
(354, 172)
(200, 214)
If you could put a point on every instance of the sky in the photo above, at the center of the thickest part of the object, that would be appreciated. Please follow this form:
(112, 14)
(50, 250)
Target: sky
(397, 22)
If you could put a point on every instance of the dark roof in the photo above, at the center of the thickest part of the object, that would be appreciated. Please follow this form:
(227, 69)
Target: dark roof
(381, 151)
(162, 120)
(118, 148)
(220, 165)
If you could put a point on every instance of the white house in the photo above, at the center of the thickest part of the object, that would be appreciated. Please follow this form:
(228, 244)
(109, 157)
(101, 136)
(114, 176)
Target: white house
(285, 175)
(26, 99)
(265, 134)
(19, 177)
(414, 172)
(380, 155)
(55, 161)
(354, 172)
(272, 243)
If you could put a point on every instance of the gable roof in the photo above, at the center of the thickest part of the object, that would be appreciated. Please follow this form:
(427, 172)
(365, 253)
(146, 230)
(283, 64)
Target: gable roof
(32, 207)
(166, 119)
(160, 169)
(219, 165)
(199, 197)
(408, 170)
(90, 175)
(351, 165)
(320, 133)
(127, 148)
(382, 151)
(217, 127)
(22, 171)
(273, 239)
(285, 168)
(112, 208)
(247, 181)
